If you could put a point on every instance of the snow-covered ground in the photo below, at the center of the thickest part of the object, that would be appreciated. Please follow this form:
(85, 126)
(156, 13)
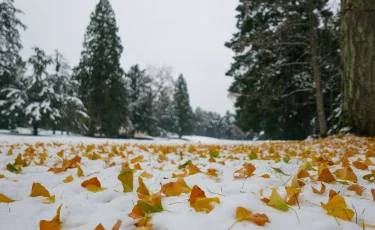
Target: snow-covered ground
(237, 173)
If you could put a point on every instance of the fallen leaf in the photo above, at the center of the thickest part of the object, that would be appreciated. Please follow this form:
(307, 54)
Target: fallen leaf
(146, 175)
(245, 172)
(39, 190)
(142, 190)
(196, 192)
(94, 188)
(117, 225)
(151, 204)
(175, 188)
(99, 227)
(205, 204)
(68, 179)
(136, 212)
(5, 199)
(92, 181)
(265, 176)
(359, 165)
(373, 194)
(54, 224)
(346, 174)
(337, 207)
(369, 177)
(322, 189)
(326, 176)
(79, 172)
(126, 178)
(276, 201)
(242, 214)
(278, 170)
(358, 189)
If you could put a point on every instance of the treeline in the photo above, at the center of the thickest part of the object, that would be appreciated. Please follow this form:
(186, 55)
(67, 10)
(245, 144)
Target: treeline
(97, 97)
(287, 68)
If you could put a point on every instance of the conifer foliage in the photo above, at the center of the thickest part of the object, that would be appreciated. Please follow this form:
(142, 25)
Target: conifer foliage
(102, 85)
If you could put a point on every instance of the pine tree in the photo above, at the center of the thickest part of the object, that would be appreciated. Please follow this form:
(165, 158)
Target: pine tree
(10, 45)
(102, 86)
(273, 67)
(73, 112)
(182, 108)
(141, 100)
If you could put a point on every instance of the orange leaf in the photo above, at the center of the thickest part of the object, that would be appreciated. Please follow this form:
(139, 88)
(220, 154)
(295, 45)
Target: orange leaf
(5, 199)
(175, 188)
(117, 225)
(265, 176)
(212, 172)
(193, 169)
(196, 192)
(92, 181)
(326, 176)
(54, 224)
(243, 214)
(39, 190)
(68, 179)
(346, 174)
(245, 172)
(360, 165)
(373, 194)
(136, 213)
(99, 227)
(356, 188)
(322, 189)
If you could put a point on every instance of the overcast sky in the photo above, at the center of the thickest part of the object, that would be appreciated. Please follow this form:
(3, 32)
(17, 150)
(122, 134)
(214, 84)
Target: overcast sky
(187, 35)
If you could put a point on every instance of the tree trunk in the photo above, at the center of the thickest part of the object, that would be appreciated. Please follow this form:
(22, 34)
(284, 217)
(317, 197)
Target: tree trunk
(315, 66)
(35, 129)
(358, 67)
(54, 131)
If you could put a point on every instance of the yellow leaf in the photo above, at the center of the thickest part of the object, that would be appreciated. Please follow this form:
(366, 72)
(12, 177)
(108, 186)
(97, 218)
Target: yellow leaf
(205, 204)
(337, 207)
(39, 190)
(175, 188)
(79, 172)
(94, 188)
(142, 190)
(265, 176)
(60, 153)
(5, 199)
(50, 200)
(276, 201)
(245, 172)
(242, 214)
(193, 169)
(54, 224)
(346, 174)
(68, 179)
(126, 178)
(146, 175)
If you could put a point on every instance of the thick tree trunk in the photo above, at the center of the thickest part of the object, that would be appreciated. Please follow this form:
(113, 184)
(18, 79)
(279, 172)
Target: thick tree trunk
(358, 67)
(315, 66)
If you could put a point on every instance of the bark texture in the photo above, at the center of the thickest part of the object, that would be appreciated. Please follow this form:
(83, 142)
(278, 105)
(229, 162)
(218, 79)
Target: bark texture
(358, 66)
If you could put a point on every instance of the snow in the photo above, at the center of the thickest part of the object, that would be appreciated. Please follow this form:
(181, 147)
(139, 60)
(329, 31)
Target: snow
(85, 210)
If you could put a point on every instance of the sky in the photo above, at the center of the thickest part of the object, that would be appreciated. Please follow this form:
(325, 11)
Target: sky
(188, 35)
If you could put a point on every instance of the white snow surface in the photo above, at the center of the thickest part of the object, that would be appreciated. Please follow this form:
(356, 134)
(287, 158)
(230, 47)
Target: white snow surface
(84, 210)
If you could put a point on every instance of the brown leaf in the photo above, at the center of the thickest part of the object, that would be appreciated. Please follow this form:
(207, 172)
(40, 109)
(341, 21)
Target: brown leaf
(326, 176)
(373, 194)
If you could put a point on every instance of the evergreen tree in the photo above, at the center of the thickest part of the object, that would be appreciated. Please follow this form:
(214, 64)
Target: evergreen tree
(102, 86)
(141, 101)
(181, 106)
(10, 45)
(275, 75)
(73, 112)
(164, 112)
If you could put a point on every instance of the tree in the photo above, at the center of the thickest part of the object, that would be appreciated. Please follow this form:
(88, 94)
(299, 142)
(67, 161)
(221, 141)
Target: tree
(102, 86)
(10, 45)
(358, 68)
(73, 112)
(277, 58)
(140, 100)
(181, 106)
